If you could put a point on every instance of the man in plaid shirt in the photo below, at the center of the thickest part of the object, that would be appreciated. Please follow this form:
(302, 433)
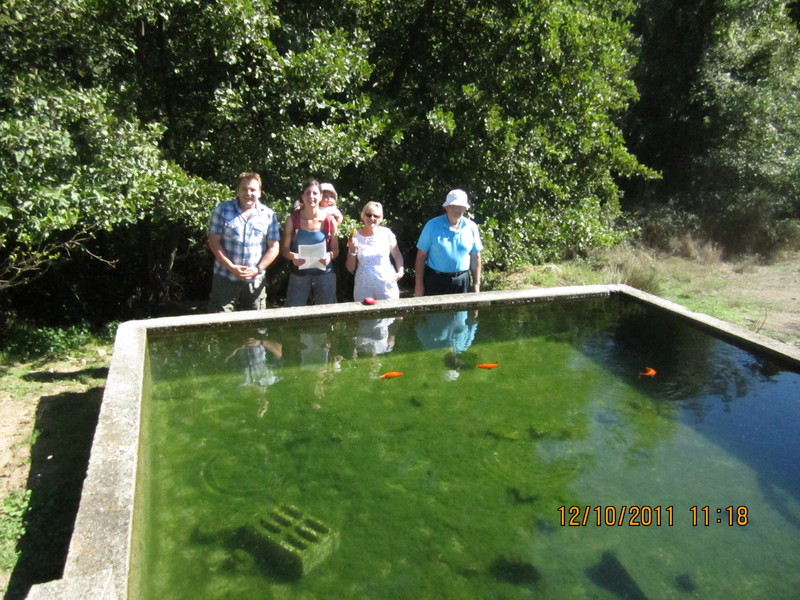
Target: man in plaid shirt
(243, 235)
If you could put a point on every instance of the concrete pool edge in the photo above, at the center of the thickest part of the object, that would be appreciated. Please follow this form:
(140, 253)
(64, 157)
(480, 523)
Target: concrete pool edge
(98, 561)
(100, 543)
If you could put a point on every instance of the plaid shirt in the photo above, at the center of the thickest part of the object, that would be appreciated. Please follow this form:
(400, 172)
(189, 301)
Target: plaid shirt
(244, 240)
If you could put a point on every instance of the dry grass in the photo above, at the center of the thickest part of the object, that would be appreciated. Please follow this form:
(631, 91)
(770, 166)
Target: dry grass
(630, 266)
(624, 264)
(761, 297)
(707, 253)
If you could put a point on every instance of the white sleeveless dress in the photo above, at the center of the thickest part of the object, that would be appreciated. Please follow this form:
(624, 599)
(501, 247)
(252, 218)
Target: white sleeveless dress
(375, 274)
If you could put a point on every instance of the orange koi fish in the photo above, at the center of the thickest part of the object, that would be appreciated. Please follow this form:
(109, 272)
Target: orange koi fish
(487, 365)
(391, 375)
(648, 372)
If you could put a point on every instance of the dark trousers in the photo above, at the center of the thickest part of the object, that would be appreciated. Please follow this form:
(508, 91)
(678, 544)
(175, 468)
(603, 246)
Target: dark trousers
(438, 283)
(227, 295)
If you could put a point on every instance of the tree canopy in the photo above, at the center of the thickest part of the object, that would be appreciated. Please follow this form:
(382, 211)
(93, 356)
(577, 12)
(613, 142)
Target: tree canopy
(719, 116)
(123, 122)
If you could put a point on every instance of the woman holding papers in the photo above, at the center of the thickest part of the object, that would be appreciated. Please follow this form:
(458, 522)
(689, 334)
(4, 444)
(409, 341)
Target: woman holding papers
(368, 255)
(309, 242)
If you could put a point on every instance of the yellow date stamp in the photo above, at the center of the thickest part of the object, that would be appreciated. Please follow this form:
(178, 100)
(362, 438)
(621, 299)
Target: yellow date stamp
(632, 515)
(616, 516)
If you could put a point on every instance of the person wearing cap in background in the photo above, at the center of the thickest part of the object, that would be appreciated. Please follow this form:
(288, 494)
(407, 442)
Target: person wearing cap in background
(328, 202)
(448, 251)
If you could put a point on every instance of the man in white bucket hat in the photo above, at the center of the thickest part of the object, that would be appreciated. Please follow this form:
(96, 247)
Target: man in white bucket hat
(448, 251)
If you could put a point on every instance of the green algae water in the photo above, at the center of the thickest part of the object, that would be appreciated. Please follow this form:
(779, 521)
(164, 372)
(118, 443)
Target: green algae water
(560, 473)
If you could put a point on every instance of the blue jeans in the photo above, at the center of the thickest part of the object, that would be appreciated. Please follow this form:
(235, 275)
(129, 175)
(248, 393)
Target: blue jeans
(320, 285)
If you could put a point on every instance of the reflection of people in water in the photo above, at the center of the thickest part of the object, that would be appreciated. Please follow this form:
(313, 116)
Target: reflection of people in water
(259, 359)
(315, 349)
(454, 331)
(374, 337)
(315, 355)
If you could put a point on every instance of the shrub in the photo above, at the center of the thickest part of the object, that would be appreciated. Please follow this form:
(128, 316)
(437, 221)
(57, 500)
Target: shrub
(665, 227)
(630, 266)
(27, 343)
(12, 526)
(754, 224)
(546, 234)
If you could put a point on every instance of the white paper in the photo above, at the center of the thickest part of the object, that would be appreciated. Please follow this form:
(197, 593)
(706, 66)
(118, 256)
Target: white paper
(312, 253)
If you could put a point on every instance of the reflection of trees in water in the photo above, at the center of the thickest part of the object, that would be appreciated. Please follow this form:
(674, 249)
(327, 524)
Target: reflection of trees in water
(697, 373)
(174, 353)
(693, 366)
(737, 400)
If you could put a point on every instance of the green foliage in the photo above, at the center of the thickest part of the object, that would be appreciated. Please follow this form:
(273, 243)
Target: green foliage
(663, 227)
(150, 109)
(70, 168)
(720, 116)
(25, 342)
(216, 88)
(546, 234)
(748, 88)
(515, 104)
(12, 527)
(244, 90)
(73, 161)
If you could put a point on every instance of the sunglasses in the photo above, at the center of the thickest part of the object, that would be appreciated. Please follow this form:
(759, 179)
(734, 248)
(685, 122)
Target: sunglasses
(371, 216)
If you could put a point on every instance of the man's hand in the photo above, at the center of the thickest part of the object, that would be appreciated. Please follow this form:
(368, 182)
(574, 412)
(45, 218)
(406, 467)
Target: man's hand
(244, 273)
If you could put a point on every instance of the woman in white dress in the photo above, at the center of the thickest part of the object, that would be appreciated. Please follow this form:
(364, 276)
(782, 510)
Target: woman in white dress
(370, 251)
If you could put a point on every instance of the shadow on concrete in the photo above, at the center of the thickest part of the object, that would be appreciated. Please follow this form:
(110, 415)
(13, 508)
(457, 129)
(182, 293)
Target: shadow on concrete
(59, 459)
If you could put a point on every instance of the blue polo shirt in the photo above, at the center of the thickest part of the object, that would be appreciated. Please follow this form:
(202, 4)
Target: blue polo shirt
(449, 250)
(244, 240)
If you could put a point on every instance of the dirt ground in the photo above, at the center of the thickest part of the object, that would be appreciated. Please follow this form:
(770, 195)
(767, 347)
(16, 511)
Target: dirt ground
(18, 414)
(16, 424)
(47, 417)
(768, 296)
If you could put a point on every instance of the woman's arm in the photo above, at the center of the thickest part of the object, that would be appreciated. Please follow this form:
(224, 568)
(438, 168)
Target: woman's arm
(398, 261)
(286, 244)
(352, 253)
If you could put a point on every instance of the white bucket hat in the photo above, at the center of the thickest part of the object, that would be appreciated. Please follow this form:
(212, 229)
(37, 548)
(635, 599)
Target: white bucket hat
(456, 198)
(328, 187)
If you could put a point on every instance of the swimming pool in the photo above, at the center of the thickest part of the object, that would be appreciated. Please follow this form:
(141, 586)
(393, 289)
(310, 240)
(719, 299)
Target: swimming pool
(562, 471)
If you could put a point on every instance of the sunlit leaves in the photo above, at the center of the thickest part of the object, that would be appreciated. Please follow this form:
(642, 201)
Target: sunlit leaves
(516, 103)
(720, 115)
(749, 93)
(70, 168)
